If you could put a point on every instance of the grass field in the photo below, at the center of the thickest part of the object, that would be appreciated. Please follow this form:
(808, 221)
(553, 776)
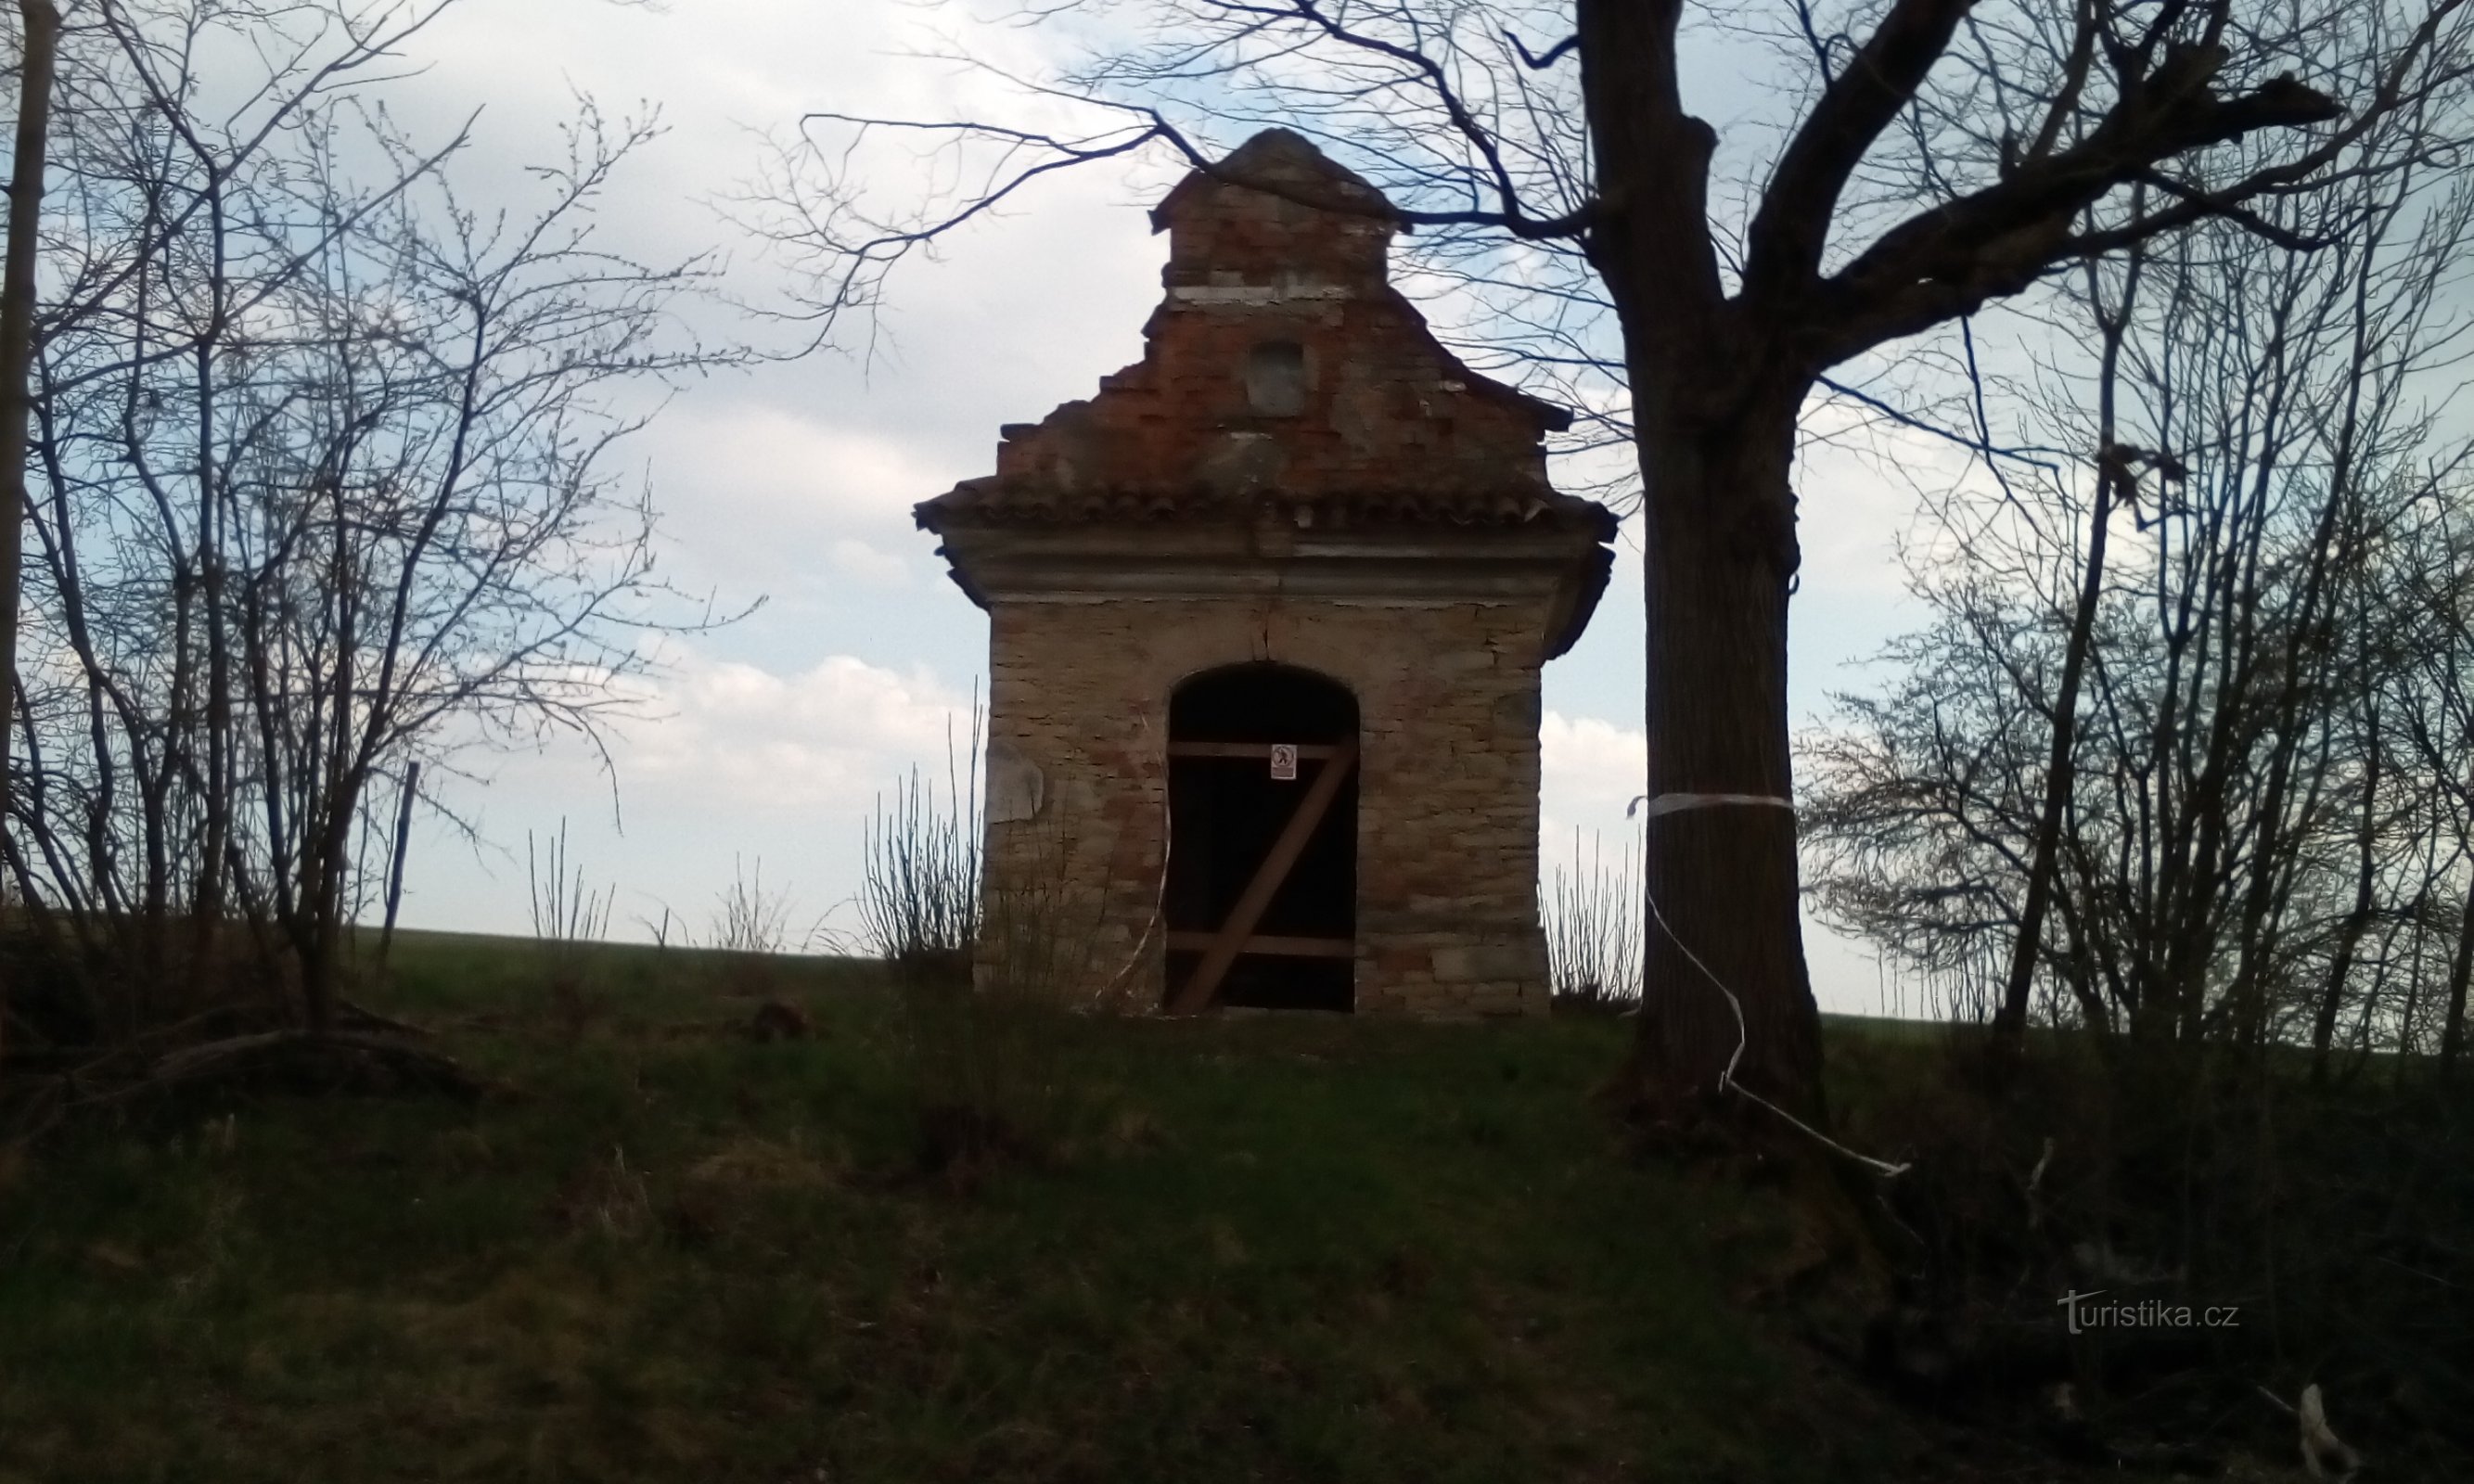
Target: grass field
(1264, 1249)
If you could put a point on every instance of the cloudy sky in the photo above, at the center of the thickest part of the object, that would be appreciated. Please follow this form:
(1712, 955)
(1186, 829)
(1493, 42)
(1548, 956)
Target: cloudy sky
(795, 483)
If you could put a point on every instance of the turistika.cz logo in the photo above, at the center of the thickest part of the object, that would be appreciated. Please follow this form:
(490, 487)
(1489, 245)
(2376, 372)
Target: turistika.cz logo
(2082, 1313)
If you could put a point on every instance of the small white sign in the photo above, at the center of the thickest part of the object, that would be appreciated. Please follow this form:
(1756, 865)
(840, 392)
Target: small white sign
(1284, 760)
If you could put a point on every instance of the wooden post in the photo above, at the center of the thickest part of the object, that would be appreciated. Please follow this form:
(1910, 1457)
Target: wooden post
(395, 872)
(1268, 879)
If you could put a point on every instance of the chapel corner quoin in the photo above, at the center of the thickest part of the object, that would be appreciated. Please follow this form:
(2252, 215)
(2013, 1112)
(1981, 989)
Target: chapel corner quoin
(1266, 617)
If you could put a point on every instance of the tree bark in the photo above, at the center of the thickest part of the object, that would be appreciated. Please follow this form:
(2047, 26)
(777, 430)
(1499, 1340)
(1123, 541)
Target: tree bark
(1722, 876)
(1714, 421)
(41, 24)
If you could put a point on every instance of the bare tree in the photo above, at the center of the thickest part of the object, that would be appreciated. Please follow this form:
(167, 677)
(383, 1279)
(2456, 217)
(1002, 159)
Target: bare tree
(2217, 710)
(2247, 822)
(1940, 155)
(38, 34)
(324, 483)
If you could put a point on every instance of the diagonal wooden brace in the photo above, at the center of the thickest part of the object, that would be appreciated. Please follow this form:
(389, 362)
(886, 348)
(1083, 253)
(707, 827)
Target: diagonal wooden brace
(1197, 993)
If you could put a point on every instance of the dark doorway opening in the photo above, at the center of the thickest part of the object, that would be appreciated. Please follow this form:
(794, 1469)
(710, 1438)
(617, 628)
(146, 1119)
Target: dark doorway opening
(1227, 812)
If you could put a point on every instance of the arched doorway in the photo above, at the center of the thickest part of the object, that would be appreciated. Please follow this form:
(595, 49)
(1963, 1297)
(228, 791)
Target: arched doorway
(1262, 872)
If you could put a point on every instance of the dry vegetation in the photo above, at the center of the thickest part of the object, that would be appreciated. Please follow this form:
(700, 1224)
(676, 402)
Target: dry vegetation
(1592, 911)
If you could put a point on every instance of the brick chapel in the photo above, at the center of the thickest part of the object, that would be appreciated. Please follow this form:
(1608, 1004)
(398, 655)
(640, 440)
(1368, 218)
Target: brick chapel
(1266, 617)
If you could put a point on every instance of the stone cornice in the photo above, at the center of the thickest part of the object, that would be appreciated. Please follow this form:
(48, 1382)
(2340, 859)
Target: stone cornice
(1422, 566)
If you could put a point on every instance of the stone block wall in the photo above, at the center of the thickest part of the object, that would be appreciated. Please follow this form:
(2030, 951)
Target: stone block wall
(1448, 698)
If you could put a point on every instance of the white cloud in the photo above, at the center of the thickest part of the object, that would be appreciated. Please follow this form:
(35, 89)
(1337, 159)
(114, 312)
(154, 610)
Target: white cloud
(734, 764)
(871, 568)
(1590, 768)
(1850, 511)
(741, 736)
(780, 483)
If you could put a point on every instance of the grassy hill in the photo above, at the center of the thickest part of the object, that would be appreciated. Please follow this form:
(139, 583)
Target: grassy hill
(1263, 1249)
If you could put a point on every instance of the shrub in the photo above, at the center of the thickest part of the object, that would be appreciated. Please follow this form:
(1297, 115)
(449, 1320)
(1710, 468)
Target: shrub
(565, 919)
(750, 926)
(983, 978)
(919, 891)
(1592, 912)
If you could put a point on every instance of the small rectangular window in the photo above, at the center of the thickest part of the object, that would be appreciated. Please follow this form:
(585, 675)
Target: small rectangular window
(1275, 378)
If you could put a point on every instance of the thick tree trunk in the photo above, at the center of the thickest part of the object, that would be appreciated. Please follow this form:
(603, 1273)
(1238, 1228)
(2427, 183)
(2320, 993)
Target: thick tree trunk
(1714, 406)
(1720, 868)
(322, 901)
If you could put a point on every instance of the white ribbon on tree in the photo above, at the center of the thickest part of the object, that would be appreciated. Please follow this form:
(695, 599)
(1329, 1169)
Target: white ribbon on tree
(1671, 803)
